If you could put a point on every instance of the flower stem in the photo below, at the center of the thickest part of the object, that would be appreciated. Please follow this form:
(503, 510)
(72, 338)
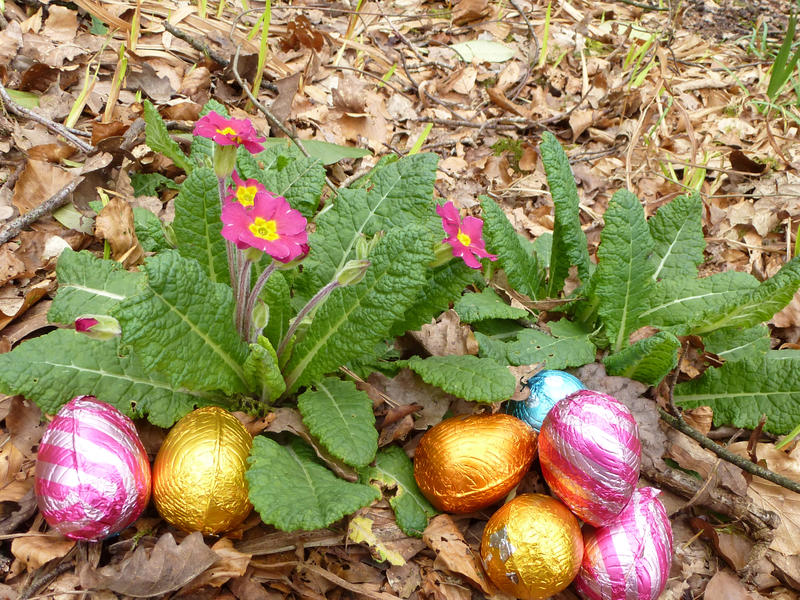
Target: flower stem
(230, 250)
(243, 280)
(317, 299)
(251, 301)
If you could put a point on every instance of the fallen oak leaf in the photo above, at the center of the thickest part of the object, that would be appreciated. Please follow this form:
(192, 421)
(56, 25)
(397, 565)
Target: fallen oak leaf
(165, 568)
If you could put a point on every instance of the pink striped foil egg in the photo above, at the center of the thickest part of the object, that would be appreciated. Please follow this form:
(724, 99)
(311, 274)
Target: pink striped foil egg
(92, 472)
(590, 454)
(630, 558)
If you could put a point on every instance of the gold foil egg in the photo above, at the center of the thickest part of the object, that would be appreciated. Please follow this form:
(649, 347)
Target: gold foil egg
(532, 547)
(467, 463)
(198, 474)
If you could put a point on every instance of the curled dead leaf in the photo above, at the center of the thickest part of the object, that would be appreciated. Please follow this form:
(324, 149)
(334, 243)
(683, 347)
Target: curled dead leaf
(115, 224)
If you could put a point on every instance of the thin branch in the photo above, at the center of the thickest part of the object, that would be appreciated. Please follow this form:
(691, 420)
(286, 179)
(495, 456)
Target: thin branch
(52, 203)
(51, 125)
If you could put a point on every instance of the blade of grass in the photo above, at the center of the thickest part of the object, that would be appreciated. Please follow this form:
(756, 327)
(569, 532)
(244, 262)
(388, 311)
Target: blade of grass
(545, 38)
(116, 85)
(263, 48)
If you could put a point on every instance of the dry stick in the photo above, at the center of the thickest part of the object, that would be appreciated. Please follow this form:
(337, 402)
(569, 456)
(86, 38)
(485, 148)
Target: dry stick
(52, 203)
(51, 125)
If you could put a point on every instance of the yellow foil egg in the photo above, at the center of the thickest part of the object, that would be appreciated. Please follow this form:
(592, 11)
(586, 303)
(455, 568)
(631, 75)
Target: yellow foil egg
(198, 474)
(467, 463)
(532, 547)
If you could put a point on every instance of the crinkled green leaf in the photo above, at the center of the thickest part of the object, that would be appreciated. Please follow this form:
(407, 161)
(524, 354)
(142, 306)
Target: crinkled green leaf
(678, 242)
(648, 360)
(291, 490)
(149, 230)
(325, 152)
(735, 343)
(623, 277)
(277, 296)
(535, 346)
(355, 318)
(542, 248)
(740, 391)
(157, 138)
(262, 373)
(89, 285)
(521, 267)
(394, 472)
(197, 224)
(62, 364)
(569, 241)
(466, 376)
(486, 305)
(181, 324)
(489, 347)
(341, 418)
(148, 184)
(400, 195)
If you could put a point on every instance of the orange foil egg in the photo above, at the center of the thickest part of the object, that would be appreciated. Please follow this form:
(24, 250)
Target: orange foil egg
(198, 474)
(467, 463)
(532, 547)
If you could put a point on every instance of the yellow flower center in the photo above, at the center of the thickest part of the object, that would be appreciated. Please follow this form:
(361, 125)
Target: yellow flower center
(230, 132)
(266, 230)
(245, 194)
(464, 238)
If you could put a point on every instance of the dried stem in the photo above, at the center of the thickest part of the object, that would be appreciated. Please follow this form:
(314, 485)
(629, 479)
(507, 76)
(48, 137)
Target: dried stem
(45, 208)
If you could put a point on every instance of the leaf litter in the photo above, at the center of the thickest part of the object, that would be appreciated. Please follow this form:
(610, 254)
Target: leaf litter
(653, 101)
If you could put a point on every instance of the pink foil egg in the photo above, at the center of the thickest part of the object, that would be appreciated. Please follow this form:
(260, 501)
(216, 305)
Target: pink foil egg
(590, 454)
(630, 558)
(92, 472)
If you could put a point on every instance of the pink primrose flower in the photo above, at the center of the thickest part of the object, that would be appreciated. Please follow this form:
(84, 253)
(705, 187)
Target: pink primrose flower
(244, 192)
(85, 323)
(465, 236)
(229, 132)
(270, 225)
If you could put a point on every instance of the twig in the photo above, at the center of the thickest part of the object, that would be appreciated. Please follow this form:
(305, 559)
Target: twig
(644, 6)
(52, 203)
(51, 125)
(532, 56)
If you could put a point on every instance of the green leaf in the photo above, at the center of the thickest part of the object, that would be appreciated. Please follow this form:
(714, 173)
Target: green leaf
(394, 472)
(71, 218)
(521, 267)
(182, 325)
(149, 230)
(24, 99)
(286, 172)
(90, 285)
(355, 318)
(262, 372)
(292, 491)
(648, 360)
(534, 346)
(486, 305)
(401, 195)
(55, 367)
(678, 242)
(466, 376)
(483, 51)
(158, 139)
(489, 347)
(361, 530)
(325, 152)
(735, 343)
(277, 295)
(197, 224)
(542, 248)
(623, 277)
(341, 418)
(569, 242)
(148, 184)
(740, 391)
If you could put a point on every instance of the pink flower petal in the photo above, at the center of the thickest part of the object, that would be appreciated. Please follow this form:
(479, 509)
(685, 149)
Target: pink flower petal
(450, 218)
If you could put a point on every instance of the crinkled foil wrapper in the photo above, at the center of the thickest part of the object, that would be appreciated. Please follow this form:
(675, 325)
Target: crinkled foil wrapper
(532, 547)
(467, 463)
(546, 389)
(590, 454)
(92, 472)
(630, 558)
(198, 475)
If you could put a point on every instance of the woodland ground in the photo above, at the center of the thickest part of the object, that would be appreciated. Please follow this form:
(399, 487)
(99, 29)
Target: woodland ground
(657, 99)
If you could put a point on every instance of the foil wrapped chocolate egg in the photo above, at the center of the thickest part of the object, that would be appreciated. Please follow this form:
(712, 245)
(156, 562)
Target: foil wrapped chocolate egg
(546, 388)
(532, 547)
(631, 557)
(92, 473)
(198, 474)
(467, 463)
(590, 454)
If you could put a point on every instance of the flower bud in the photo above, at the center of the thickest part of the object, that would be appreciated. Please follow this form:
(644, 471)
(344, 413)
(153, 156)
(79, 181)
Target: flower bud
(224, 160)
(260, 315)
(442, 254)
(98, 327)
(352, 272)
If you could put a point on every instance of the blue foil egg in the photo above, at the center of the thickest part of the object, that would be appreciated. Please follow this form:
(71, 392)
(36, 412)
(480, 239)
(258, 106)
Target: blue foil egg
(547, 388)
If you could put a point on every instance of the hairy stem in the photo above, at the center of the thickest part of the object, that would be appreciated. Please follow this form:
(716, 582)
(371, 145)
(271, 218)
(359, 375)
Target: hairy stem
(243, 285)
(230, 250)
(251, 303)
(317, 299)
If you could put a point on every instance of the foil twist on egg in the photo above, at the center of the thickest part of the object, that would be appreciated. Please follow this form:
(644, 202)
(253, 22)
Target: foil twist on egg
(198, 474)
(532, 547)
(546, 389)
(467, 463)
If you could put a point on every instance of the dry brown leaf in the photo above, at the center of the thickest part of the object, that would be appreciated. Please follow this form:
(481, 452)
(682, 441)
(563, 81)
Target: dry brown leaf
(53, 153)
(447, 336)
(580, 120)
(467, 11)
(407, 388)
(10, 265)
(689, 455)
(230, 563)
(376, 528)
(12, 306)
(61, 24)
(164, 568)
(115, 224)
(24, 424)
(700, 418)
(724, 585)
(38, 181)
(35, 550)
(196, 85)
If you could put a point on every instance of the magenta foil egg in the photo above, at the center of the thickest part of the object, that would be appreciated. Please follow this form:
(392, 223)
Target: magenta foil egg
(630, 558)
(590, 454)
(92, 472)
